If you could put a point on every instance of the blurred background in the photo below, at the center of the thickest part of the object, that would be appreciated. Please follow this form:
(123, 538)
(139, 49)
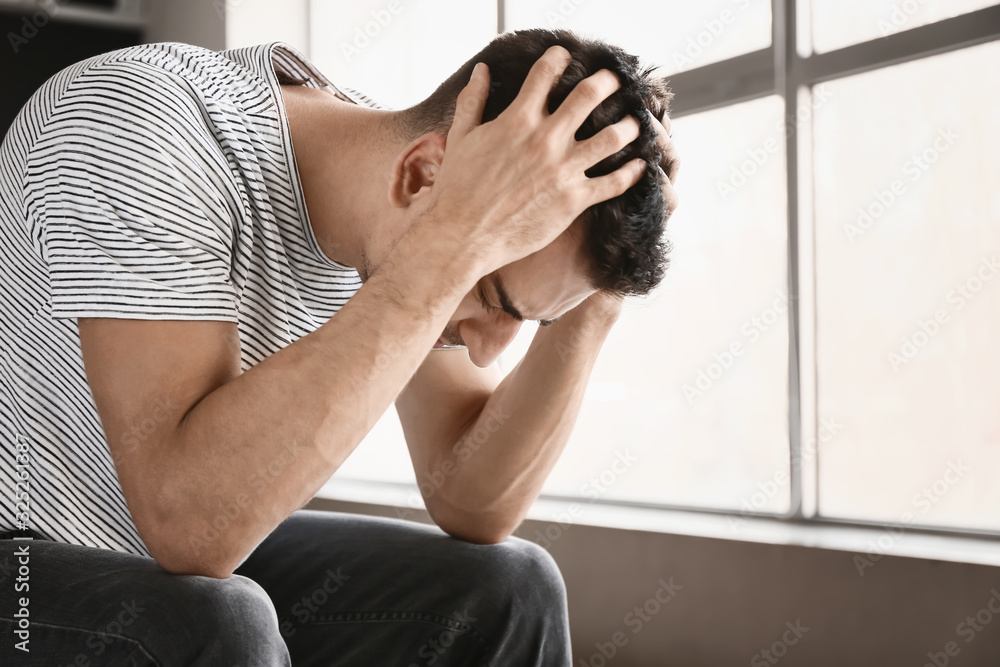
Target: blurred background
(803, 423)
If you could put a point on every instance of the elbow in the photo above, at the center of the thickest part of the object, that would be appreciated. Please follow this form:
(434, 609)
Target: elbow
(477, 536)
(179, 550)
(180, 563)
(474, 527)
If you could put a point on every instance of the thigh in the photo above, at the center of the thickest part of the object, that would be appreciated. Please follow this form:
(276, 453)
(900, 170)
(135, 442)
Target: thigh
(357, 590)
(87, 606)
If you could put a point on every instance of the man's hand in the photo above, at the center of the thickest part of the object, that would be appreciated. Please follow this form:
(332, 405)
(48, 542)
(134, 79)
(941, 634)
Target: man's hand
(512, 185)
(670, 158)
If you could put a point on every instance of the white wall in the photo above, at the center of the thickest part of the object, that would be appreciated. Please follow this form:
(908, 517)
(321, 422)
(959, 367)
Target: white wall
(250, 22)
(200, 22)
(228, 24)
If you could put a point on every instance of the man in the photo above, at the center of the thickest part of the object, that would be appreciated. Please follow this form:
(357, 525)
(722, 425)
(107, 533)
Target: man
(220, 270)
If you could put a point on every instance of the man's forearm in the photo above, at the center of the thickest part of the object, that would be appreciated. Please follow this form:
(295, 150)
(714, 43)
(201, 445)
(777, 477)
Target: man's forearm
(257, 448)
(496, 470)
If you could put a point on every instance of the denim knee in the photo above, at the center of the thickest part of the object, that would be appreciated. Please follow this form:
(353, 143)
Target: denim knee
(233, 622)
(528, 624)
(527, 576)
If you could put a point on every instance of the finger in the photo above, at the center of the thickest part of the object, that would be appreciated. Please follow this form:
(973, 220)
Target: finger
(471, 102)
(665, 125)
(670, 164)
(602, 188)
(670, 199)
(542, 77)
(607, 142)
(585, 97)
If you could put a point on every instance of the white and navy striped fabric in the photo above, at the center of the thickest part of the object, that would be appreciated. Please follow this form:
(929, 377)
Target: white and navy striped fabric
(156, 182)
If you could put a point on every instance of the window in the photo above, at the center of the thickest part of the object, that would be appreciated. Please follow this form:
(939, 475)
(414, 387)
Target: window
(839, 24)
(397, 52)
(824, 347)
(676, 35)
(711, 341)
(913, 378)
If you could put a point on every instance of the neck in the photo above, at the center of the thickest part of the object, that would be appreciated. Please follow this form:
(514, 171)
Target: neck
(345, 155)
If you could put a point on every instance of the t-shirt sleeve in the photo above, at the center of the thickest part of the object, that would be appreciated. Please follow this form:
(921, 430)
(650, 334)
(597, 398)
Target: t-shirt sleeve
(130, 201)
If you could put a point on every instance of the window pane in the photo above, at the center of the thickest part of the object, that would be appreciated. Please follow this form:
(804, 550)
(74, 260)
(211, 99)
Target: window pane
(696, 423)
(397, 52)
(907, 164)
(676, 35)
(840, 23)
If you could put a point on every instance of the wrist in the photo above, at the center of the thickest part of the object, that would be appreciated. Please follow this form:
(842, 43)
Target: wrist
(427, 259)
(600, 309)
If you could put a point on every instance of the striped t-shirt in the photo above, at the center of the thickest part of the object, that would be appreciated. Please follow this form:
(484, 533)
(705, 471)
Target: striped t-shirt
(156, 182)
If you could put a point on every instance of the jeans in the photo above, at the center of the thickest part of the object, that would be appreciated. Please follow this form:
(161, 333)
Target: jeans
(323, 589)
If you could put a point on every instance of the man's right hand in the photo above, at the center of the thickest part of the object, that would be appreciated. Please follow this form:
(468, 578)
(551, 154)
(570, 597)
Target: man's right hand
(511, 186)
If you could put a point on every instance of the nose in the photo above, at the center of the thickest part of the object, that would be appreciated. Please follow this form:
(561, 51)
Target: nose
(487, 338)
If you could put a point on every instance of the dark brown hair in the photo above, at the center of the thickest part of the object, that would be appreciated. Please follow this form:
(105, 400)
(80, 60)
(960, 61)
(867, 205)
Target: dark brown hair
(625, 235)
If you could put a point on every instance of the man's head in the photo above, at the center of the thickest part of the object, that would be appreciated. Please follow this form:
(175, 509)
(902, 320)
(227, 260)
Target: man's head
(616, 246)
(624, 236)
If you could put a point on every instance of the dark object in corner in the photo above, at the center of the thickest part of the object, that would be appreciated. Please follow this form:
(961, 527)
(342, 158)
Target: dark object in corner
(32, 53)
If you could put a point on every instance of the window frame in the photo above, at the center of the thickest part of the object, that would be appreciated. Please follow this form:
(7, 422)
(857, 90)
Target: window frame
(788, 68)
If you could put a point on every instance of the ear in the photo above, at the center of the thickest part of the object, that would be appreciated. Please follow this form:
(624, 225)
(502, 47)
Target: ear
(415, 169)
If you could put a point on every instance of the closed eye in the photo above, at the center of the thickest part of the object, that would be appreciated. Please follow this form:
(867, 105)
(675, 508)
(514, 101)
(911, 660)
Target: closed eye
(489, 307)
(505, 304)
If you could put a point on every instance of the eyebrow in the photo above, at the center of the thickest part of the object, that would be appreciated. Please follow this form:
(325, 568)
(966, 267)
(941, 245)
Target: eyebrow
(507, 306)
(505, 299)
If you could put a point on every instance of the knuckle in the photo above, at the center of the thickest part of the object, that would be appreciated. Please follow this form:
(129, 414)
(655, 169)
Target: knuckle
(590, 90)
(620, 180)
(622, 133)
(555, 55)
(547, 68)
